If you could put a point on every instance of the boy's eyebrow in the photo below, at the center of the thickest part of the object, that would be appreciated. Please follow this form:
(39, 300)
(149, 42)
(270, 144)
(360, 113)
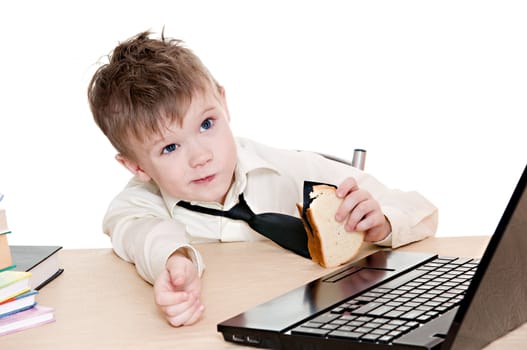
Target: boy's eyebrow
(154, 139)
(208, 109)
(204, 111)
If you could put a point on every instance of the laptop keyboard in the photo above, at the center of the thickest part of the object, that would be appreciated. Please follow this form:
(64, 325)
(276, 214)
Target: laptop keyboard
(385, 313)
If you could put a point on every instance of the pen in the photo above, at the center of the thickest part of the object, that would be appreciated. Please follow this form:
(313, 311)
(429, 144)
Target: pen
(1, 197)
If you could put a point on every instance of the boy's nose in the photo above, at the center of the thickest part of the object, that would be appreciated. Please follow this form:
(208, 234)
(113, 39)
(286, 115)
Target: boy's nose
(200, 155)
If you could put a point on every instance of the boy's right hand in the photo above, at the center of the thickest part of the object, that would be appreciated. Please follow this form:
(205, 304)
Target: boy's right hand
(177, 291)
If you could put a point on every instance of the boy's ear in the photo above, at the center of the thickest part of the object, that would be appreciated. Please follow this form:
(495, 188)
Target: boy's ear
(133, 167)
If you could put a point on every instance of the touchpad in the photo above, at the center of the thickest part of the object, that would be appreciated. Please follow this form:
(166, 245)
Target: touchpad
(356, 272)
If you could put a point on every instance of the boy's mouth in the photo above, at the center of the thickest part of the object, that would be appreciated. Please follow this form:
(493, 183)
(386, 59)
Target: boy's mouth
(204, 180)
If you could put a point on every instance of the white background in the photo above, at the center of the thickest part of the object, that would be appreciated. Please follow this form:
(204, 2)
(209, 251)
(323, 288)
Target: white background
(435, 91)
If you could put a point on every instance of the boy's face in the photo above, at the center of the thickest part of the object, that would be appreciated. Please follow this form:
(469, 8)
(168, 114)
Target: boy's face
(194, 161)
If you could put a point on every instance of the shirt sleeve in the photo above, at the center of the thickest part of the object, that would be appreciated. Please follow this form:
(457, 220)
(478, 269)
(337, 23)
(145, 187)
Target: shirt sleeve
(411, 215)
(143, 232)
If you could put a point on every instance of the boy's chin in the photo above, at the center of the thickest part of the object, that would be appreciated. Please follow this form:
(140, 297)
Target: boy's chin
(212, 197)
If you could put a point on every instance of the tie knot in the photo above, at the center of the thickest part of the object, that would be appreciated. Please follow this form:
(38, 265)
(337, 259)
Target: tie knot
(240, 211)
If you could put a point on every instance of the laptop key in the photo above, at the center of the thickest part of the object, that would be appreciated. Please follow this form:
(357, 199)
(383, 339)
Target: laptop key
(330, 326)
(399, 281)
(366, 309)
(369, 337)
(345, 328)
(338, 310)
(394, 314)
(325, 318)
(341, 334)
(381, 310)
(363, 330)
(388, 327)
(379, 331)
(385, 339)
(310, 331)
(424, 318)
(413, 314)
(312, 324)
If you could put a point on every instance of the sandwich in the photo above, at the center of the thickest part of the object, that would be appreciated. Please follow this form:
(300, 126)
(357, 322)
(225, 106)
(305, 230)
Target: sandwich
(328, 241)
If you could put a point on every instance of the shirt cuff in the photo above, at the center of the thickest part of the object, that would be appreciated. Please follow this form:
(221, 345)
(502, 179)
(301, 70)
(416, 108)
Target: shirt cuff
(386, 242)
(194, 255)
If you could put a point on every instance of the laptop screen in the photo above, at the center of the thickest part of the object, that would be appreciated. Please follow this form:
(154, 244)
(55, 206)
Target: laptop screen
(499, 302)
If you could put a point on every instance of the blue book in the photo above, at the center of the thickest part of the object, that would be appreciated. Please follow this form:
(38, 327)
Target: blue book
(18, 303)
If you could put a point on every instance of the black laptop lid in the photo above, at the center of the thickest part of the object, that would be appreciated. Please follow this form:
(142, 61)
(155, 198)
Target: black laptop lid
(496, 301)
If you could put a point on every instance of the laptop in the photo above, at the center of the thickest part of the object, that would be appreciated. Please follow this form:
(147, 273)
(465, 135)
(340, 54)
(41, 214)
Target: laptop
(402, 300)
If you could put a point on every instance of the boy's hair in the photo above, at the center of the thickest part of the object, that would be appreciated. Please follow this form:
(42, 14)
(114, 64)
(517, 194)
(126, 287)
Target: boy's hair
(147, 84)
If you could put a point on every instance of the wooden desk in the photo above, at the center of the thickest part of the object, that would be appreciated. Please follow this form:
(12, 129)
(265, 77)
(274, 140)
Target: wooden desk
(101, 303)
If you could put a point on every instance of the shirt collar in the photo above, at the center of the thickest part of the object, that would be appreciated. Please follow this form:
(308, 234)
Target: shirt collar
(248, 160)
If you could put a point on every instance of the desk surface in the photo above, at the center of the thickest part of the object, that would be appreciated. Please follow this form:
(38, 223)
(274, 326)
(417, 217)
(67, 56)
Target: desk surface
(101, 303)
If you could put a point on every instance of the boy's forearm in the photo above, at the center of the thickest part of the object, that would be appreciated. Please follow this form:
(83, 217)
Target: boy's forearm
(149, 242)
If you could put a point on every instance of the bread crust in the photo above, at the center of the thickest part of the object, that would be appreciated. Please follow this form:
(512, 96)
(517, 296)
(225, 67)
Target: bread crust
(311, 244)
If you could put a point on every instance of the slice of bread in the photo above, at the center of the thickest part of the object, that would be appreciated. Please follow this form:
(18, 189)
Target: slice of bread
(329, 243)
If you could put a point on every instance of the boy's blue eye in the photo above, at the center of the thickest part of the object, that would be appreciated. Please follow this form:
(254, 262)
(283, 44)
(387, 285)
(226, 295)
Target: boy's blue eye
(169, 148)
(206, 125)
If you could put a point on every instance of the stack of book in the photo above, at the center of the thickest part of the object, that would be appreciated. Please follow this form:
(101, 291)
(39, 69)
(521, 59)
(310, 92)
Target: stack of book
(23, 271)
(18, 307)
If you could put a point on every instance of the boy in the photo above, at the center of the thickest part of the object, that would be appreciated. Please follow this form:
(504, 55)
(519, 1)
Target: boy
(168, 119)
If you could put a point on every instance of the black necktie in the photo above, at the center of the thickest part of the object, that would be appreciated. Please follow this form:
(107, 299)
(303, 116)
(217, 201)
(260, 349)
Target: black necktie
(285, 230)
